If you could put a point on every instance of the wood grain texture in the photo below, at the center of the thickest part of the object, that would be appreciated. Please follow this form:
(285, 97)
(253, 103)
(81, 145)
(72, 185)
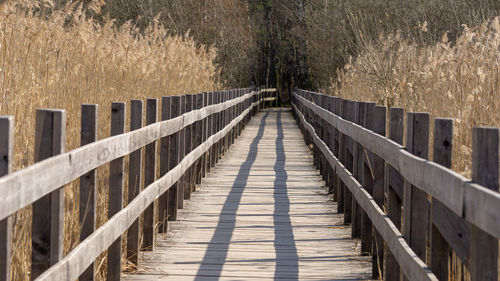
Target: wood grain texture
(48, 212)
(262, 213)
(116, 181)
(6, 154)
(149, 220)
(484, 247)
(87, 209)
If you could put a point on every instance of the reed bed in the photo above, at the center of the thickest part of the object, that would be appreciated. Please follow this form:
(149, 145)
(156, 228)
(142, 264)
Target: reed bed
(61, 58)
(460, 80)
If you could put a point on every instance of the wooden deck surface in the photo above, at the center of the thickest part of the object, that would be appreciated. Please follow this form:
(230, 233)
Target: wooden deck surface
(262, 213)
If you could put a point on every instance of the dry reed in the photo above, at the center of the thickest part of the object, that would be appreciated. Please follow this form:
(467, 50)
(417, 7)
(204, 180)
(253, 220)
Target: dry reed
(61, 59)
(459, 80)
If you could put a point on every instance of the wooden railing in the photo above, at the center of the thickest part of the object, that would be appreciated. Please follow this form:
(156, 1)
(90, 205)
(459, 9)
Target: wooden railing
(268, 97)
(385, 189)
(195, 130)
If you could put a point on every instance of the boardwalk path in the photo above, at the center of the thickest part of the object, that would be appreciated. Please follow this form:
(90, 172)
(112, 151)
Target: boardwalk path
(261, 214)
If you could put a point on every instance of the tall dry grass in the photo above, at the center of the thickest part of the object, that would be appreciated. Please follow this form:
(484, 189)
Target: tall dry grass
(460, 80)
(61, 59)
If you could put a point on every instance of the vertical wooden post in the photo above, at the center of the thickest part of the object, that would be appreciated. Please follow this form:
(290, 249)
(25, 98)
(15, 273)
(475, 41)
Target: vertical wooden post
(331, 145)
(379, 126)
(188, 147)
(367, 179)
(442, 150)
(48, 212)
(415, 201)
(88, 183)
(342, 147)
(182, 146)
(6, 157)
(148, 232)
(357, 171)
(199, 138)
(204, 132)
(164, 153)
(394, 191)
(134, 182)
(484, 247)
(336, 149)
(174, 143)
(116, 173)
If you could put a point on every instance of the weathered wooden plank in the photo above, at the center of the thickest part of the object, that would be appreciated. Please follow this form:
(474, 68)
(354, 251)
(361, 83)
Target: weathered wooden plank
(484, 247)
(48, 212)
(86, 252)
(413, 267)
(134, 182)
(187, 148)
(6, 157)
(182, 153)
(164, 167)
(416, 205)
(394, 182)
(367, 180)
(87, 214)
(359, 111)
(148, 231)
(116, 181)
(175, 110)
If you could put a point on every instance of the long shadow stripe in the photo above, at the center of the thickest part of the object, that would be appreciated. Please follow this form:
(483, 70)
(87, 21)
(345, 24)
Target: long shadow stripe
(287, 259)
(224, 230)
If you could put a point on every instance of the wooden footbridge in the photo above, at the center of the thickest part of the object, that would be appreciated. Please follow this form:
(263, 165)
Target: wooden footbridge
(225, 188)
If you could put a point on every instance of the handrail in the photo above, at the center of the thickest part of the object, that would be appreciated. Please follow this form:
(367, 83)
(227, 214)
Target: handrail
(75, 263)
(413, 267)
(26, 186)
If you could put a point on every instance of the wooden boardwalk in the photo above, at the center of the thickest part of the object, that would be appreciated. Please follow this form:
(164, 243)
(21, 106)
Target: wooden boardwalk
(260, 214)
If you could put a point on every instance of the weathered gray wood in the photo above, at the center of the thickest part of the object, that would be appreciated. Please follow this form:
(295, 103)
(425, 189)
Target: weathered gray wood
(6, 157)
(359, 111)
(440, 250)
(415, 201)
(134, 183)
(412, 266)
(148, 231)
(175, 110)
(378, 172)
(86, 252)
(195, 246)
(367, 181)
(48, 212)
(393, 181)
(182, 153)
(88, 182)
(164, 167)
(342, 155)
(198, 137)
(116, 174)
(187, 144)
(484, 247)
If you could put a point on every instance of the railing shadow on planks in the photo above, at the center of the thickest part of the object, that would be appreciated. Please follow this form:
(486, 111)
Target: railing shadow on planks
(384, 188)
(194, 132)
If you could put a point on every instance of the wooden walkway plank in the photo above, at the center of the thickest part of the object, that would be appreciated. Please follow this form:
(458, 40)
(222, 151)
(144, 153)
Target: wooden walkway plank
(262, 213)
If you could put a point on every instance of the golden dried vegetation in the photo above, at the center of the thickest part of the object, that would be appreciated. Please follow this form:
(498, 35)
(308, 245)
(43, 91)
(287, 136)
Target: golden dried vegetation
(61, 58)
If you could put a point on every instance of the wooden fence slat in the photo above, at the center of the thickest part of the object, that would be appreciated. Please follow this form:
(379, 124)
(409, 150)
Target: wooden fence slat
(415, 201)
(393, 181)
(359, 110)
(442, 149)
(116, 180)
(48, 212)
(483, 246)
(134, 182)
(367, 180)
(182, 152)
(148, 232)
(6, 157)
(378, 170)
(88, 182)
(164, 154)
(188, 143)
(342, 155)
(198, 137)
(174, 142)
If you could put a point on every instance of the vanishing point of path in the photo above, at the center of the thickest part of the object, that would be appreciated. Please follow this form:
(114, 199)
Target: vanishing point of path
(262, 213)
